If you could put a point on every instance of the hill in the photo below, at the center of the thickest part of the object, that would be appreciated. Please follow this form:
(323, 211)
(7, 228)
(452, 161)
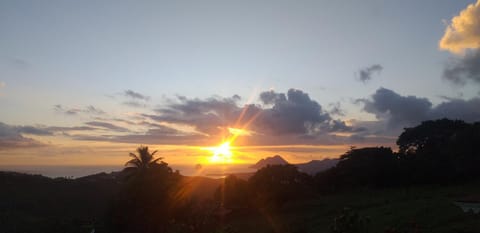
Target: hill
(274, 160)
(311, 167)
(316, 166)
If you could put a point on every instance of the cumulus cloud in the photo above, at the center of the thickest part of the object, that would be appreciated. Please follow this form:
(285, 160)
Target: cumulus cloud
(294, 113)
(462, 37)
(279, 118)
(366, 73)
(463, 31)
(399, 111)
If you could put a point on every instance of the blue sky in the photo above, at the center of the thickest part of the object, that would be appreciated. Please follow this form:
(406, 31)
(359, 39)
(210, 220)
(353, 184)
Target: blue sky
(89, 53)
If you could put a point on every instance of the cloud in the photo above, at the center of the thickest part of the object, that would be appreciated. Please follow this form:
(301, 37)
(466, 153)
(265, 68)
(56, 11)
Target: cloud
(11, 137)
(463, 32)
(33, 130)
(135, 99)
(366, 74)
(91, 110)
(399, 111)
(2, 84)
(135, 95)
(291, 113)
(467, 67)
(135, 104)
(205, 116)
(107, 125)
(336, 109)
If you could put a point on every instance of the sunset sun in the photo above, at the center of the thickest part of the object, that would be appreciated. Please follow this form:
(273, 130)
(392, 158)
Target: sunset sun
(222, 153)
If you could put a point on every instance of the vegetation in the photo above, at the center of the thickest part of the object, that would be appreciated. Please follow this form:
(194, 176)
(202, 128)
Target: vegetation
(369, 190)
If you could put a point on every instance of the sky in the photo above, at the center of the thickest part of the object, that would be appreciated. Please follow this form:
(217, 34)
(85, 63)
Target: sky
(86, 82)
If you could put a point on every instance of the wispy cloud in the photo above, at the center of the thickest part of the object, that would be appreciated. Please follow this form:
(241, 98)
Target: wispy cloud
(107, 125)
(136, 95)
(74, 111)
(135, 99)
(11, 136)
(366, 74)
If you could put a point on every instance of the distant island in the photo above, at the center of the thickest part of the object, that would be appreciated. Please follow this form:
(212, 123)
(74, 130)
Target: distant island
(311, 167)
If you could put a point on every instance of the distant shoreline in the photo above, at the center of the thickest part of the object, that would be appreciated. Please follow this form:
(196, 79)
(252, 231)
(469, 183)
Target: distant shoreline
(76, 171)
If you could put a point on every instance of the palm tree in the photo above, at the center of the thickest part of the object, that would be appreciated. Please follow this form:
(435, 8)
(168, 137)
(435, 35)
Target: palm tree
(143, 160)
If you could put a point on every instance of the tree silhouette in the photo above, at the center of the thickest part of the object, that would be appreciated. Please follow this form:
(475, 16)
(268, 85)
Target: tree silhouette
(143, 160)
(145, 203)
(274, 185)
(441, 151)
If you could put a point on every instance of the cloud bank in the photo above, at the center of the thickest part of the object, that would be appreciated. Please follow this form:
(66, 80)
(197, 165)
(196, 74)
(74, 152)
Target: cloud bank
(399, 111)
(11, 136)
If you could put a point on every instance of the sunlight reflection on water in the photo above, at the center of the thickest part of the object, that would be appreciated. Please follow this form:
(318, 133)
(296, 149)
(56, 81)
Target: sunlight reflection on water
(213, 171)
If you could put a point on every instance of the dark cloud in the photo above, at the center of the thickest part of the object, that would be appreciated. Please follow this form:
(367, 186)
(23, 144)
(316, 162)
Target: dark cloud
(461, 69)
(294, 114)
(205, 115)
(107, 125)
(404, 111)
(11, 137)
(91, 110)
(366, 74)
(271, 97)
(467, 110)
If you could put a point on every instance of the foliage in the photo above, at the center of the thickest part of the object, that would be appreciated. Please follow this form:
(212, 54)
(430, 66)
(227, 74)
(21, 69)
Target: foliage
(373, 166)
(145, 203)
(349, 221)
(272, 186)
(234, 193)
(441, 151)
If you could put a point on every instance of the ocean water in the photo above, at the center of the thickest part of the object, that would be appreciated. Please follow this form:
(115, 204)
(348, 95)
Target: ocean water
(213, 171)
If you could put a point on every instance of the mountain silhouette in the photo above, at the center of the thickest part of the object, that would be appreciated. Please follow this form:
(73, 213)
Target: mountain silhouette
(315, 166)
(275, 160)
(311, 167)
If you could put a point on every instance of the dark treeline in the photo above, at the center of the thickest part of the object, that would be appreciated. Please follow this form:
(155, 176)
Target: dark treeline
(148, 196)
(435, 152)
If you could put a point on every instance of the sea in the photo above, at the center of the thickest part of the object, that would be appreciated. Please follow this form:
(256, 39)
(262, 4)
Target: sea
(212, 171)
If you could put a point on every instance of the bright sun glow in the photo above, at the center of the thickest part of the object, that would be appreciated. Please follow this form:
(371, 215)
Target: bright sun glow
(222, 153)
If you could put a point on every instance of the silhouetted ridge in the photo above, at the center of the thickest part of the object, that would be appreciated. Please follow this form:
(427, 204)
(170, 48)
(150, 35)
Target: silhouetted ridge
(315, 166)
(275, 160)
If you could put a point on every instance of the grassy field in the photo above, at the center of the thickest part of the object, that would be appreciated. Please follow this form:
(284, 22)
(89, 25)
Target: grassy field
(415, 209)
